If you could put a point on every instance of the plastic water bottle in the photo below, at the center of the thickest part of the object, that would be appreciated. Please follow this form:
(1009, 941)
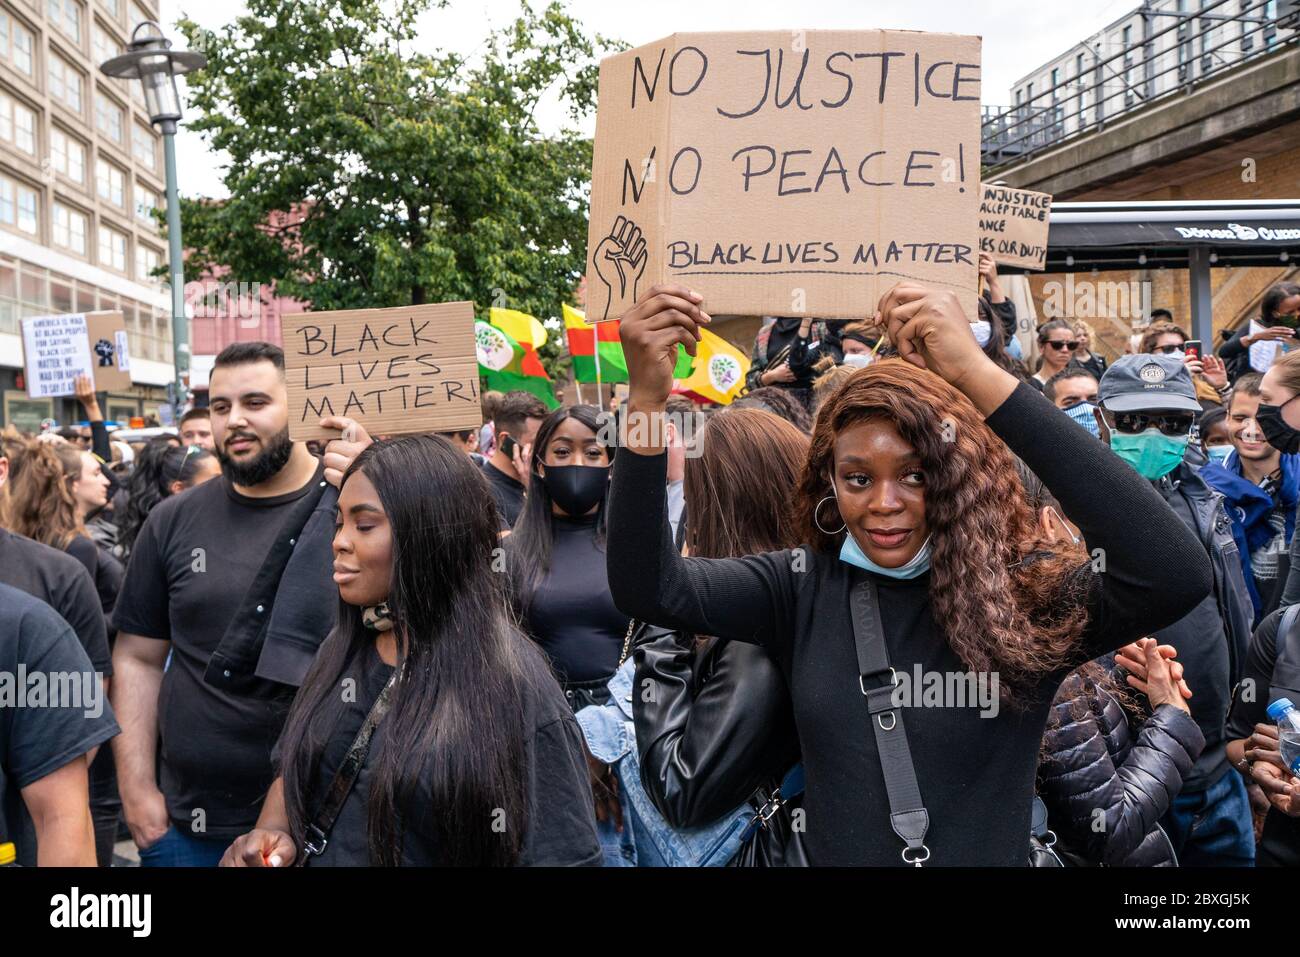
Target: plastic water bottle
(1287, 718)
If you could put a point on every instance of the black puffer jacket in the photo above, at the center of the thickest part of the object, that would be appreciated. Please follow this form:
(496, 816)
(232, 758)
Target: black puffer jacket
(1092, 761)
(718, 725)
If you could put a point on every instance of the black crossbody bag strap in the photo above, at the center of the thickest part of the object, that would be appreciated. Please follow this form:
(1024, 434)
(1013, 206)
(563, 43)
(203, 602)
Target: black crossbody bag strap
(907, 813)
(318, 831)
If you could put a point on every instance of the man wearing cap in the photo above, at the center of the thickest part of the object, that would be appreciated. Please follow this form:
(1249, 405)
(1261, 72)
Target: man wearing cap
(1146, 408)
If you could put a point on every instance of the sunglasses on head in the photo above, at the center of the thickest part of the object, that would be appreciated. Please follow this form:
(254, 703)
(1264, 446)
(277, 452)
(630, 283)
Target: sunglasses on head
(1169, 350)
(1058, 344)
(1174, 424)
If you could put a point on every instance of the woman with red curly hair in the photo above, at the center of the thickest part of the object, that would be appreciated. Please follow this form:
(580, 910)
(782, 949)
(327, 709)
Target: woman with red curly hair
(920, 545)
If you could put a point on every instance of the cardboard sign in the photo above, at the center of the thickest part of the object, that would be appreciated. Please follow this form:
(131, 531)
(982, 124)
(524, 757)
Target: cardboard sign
(400, 370)
(109, 350)
(791, 174)
(1013, 225)
(59, 348)
(55, 351)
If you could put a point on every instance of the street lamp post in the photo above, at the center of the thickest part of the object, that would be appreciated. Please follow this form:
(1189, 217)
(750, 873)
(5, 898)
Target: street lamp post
(152, 61)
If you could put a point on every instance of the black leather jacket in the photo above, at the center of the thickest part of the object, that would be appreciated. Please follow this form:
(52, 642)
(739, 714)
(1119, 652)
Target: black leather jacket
(710, 727)
(1092, 761)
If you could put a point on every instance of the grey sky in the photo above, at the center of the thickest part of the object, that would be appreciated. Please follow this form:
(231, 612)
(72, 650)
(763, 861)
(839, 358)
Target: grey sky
(1018, 35)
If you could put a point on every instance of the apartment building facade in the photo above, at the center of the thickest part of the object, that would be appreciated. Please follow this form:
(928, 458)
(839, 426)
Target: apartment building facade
(1156, 49)
(81, 174)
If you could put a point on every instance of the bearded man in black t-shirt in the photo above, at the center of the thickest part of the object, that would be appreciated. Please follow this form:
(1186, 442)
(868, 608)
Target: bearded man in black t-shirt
(194, 759)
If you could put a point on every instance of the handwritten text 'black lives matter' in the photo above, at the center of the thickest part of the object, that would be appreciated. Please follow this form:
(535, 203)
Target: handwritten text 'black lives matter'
(371, 372)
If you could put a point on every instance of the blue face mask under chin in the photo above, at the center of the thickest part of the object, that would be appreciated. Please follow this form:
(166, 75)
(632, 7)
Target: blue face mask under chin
(917, 565)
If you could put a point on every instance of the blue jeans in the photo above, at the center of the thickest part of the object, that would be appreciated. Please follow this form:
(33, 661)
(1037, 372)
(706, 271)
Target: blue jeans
(1212, 828)
(179, 849)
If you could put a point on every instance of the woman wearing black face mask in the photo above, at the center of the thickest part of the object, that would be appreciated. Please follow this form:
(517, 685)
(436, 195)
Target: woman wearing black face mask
(556, 562)
(556, 555)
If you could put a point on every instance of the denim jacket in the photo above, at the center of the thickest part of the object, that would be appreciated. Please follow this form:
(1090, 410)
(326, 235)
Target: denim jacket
(611, 737)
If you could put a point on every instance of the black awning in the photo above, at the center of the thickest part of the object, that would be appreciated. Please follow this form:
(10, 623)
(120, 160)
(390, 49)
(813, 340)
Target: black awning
(1155, 234)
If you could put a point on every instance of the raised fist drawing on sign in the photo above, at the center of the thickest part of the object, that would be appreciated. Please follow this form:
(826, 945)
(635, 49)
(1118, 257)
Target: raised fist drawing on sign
(620, 260)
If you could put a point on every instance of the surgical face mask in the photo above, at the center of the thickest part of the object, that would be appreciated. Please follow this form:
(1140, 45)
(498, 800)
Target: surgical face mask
(858, 360)
(1081, 412)
(577, 489)
(1014, 350)
(850, 552)
(1279, 435)
(1219, 453)
(982, 331)
(918, 564)
(1152, 454)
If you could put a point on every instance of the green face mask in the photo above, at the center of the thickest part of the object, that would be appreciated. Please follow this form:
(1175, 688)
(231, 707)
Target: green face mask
(1152, 454)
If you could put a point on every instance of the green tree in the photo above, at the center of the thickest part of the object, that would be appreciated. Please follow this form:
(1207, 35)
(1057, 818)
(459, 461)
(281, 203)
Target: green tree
(412, 177)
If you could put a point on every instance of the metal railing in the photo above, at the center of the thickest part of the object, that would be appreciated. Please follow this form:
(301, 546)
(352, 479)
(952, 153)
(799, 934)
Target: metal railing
(1140, 73)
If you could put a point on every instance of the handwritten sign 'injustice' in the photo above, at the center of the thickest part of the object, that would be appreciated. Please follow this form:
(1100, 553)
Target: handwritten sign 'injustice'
(1013, 225)
(56, 350)
(400, 370)
(786, 173)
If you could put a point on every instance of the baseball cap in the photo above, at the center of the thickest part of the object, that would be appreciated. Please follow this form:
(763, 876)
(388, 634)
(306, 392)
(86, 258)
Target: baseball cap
(1137, 382)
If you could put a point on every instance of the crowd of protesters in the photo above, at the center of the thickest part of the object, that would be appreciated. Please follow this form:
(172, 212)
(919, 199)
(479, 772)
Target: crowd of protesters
(908, 600)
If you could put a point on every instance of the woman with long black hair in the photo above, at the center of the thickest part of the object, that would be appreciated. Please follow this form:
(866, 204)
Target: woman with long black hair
(474, 758)
(923, 568)
(555, 560)
(556, 555)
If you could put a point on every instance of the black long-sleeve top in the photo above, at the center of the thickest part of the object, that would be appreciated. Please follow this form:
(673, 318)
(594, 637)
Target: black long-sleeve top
(571, 614)
(1234, 348)
(976, 773)
(718, 725)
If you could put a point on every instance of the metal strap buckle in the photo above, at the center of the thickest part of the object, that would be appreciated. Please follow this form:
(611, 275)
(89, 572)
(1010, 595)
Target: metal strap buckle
(916, 857)
(862, 679)
(769, 809)
(315, 842)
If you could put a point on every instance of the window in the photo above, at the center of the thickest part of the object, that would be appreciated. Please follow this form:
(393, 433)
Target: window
(138, 16)
(110, 183)
(146, 201)
(65, 83)
(18, 205)
(66, 16)
(103, 44)
(108, 118)
(67, 156)
(1056, 79)
(1247, 40)
(15, 43)
(1082, 104)
(114, 7)
(1207, 39)
(112, 249)
(17, 124)
(70, 229)
(143, 146)
(146, 261)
